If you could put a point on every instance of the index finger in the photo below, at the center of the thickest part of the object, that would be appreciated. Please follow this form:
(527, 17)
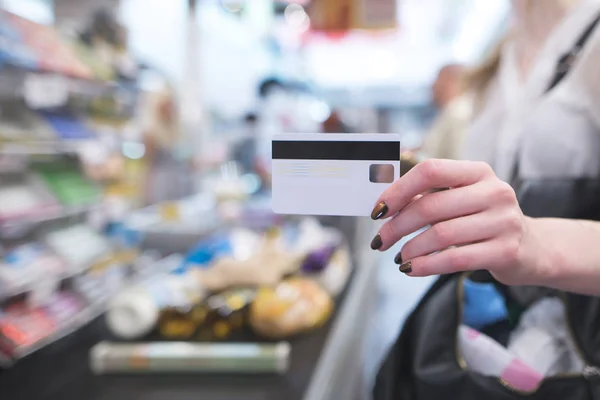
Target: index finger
(426, 176)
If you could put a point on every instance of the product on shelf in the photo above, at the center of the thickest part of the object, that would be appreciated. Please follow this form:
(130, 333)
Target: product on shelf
(19, 125)
(216, 318)
(79, 245)
(67, 183)
(102, 70)
(192, 214)
(25, 266)
(294, 306)
(23, 326)
(68, 127)
(25, 198)
(228, 185)
(135, 312)
(51, 52)
(102, 281)
(13, 50)
(177, 357)
(63, 307)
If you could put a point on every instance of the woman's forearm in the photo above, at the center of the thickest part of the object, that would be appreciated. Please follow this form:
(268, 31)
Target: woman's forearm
(566, 253)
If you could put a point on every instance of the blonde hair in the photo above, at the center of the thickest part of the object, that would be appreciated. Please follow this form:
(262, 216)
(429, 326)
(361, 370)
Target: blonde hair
(476, 80)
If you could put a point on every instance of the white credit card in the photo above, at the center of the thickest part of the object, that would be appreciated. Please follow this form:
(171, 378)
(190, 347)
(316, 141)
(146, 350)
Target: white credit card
(332, 174)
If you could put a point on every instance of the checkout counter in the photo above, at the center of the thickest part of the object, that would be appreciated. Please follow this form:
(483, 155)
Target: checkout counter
(326, 364)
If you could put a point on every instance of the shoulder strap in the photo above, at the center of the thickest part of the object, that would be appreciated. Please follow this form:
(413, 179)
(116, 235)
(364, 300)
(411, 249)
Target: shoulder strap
(565, 63)
(563, 67)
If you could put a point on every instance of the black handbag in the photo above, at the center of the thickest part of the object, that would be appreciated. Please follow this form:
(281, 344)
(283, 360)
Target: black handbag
(425, 362)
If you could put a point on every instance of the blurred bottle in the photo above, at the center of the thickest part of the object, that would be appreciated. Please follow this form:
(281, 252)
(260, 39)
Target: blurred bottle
(217, 318)
(136, 312)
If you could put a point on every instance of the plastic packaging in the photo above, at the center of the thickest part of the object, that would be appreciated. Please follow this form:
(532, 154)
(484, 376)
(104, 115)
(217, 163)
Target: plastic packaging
(258, 263)
(177, 357)
(484, 305)
(542, 339)
(294, 306)
(487, 357)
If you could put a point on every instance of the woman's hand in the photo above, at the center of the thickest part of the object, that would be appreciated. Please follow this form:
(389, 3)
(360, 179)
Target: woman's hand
(476, 224)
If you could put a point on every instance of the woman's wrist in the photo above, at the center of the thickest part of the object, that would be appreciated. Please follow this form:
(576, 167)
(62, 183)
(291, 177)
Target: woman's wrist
(538, 256)
(562, 254)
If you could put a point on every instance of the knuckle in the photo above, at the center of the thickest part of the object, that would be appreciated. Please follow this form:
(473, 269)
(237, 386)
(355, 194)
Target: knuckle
(484, 167)
(426, 208)
(388, 232)
(442, 234)
(510, 251)
(429, 170)
(514, 222)
(503, 193)
(458, 259)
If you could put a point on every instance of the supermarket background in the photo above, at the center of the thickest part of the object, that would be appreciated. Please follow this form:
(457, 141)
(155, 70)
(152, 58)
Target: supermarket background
(134, 191)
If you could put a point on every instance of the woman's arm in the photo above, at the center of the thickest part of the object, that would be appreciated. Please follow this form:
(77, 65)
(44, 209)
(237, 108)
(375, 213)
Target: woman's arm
(569, 251)
(478, 224)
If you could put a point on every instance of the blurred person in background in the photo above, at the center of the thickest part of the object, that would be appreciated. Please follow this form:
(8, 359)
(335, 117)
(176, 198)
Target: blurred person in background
(244, 152)
(446, 136)
(335, 124)
(168, 176)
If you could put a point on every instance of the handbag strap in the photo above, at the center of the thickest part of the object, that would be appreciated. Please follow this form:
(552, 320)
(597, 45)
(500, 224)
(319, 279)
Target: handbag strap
(566, 62)
(563, 67)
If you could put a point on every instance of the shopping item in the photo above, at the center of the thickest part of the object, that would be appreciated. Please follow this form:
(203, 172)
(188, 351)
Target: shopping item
(341, 174)
(252, 263)
(484, 305)
(426, 363)
(217, 318)
(136, 311)
(332, 272)
(487, 357)
(543, 341)
(294, 306)
(177, 357)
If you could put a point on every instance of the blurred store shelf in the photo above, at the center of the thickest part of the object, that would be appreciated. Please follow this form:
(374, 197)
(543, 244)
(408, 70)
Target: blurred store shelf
(92, 311)
(57, 147)
(27, 83)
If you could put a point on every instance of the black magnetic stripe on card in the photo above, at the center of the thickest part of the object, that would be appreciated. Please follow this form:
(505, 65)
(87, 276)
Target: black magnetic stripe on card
(336, 150)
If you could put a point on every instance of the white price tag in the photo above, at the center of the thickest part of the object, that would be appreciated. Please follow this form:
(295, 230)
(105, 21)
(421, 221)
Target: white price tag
(43, 291)
(46, 90)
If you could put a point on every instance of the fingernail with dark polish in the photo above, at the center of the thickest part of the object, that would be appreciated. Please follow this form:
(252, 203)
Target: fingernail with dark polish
(379, 211)
(406, 268)
(376, 243)
(398, 258)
